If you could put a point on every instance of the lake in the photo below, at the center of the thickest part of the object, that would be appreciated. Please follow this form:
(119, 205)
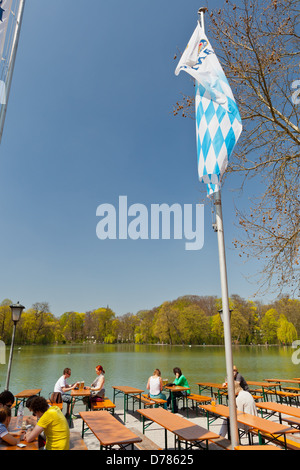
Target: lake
(127, 364)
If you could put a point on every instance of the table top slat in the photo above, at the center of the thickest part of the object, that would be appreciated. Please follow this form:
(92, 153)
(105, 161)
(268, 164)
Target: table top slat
(182, 427)
(107, 429)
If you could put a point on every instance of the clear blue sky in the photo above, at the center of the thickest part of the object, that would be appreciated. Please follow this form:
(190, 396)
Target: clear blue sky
(90, 119)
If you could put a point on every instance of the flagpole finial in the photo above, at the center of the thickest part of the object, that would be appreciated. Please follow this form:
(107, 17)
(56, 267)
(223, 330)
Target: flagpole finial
(201, 12)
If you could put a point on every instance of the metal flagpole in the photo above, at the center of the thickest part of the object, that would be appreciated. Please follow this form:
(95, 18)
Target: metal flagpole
(234, 433)
(12, 60)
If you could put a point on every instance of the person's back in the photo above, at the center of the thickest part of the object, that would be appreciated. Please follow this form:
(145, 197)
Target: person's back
(56, 429)
(245, 403)
(60, 384)
(155, 387)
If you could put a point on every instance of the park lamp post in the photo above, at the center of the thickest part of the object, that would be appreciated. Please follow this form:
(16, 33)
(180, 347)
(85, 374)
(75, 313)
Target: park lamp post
(221, 314)
(16, 312)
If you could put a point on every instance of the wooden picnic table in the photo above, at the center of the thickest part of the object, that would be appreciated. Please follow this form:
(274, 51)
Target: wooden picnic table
(182, 428)
(22, 396)
(127, 392)
(28, 446)
(176, 389)
(279, 381)
(265, 426)
(107, 429)
(260, 384)
(78, 395)
(264, 385)
(211, 386)
(12, 429)
(279, 408)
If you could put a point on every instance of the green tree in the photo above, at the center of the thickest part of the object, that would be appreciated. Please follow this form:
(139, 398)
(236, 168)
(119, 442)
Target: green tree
(286, 332)
(5, 321)
(72, 326)
(216, 329)
(193, 325)
(269, 326)
(144, 329)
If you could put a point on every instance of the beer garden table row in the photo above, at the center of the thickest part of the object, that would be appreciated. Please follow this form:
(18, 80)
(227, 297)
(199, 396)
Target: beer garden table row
(263, 426)
(111, 432)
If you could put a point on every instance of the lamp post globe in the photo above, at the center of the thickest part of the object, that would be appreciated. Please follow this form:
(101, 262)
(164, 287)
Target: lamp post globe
(16, 311)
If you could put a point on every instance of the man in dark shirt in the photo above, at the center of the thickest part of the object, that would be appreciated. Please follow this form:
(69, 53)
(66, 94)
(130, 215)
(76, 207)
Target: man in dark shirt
(239, 378)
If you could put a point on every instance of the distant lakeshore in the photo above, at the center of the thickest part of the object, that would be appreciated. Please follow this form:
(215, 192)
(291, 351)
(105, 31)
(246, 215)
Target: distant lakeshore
(188, 320)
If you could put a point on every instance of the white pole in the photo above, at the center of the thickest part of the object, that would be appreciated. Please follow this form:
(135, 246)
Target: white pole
(201, 12)
(234, 434)
(11, 65)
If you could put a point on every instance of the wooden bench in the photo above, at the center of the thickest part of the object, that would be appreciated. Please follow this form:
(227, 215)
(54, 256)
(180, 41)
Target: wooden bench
(157, 401)
(291, 420)
(149, 402)
(198, 399)
(222, 442)
(280, 440)
(257, 447)
(293, 389)
(286, 396)
(107, 404)
(76, 441)
(257, 397)
(146, 443)
(59, 405)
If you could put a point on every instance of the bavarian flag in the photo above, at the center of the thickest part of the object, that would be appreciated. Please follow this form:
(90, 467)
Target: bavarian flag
(218, 121)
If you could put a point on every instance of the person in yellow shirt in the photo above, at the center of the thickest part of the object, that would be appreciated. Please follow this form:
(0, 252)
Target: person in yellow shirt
(52, 422)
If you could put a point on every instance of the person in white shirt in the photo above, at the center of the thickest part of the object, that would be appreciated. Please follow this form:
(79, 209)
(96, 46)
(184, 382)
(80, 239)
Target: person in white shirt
(155, 387)
(62, 387)
(245, 404)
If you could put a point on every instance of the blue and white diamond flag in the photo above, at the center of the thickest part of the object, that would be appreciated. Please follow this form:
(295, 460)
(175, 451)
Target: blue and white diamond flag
(218, 121)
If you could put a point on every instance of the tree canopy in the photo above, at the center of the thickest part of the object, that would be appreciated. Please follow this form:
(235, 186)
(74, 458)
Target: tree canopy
(186, 320)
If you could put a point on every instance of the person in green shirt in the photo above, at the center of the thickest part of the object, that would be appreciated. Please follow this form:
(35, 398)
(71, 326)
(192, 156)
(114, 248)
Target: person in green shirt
(180, 380)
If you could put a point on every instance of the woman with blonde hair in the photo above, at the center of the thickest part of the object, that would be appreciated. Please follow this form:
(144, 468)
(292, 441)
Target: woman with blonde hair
(155, 387)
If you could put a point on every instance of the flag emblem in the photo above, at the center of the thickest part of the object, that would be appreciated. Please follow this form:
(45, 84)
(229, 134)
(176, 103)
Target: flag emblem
(202, 45)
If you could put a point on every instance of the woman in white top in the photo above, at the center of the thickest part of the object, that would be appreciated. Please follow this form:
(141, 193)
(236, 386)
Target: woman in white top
(97, 388)
(155, 387)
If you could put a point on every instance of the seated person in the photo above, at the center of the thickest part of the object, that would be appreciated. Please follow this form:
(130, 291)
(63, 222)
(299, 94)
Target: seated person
(5, 436)
(7, 399)
(97, 388)
(62, 387)
(155, 387)
(244, 403)
(52, 422)
(182, 382)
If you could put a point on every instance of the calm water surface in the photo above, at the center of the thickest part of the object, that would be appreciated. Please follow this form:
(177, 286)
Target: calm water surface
(41, 366)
